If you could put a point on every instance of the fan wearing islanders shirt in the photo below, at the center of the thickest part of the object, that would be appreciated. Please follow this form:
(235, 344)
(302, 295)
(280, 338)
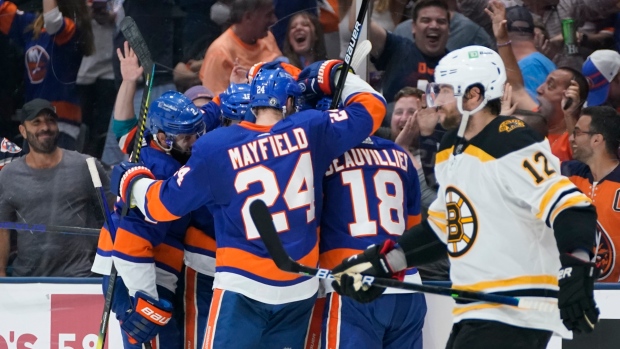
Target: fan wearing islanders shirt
(276, 159)
(596, 173)
(370, 193)
(54, 43)
(149, 257)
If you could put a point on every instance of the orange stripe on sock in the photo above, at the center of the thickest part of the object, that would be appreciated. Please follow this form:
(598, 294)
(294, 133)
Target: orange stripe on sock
(333, 322)
(313, 338)
(214, 312)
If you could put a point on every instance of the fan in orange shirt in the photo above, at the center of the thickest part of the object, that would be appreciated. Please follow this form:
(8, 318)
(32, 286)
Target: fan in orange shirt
(248, 40)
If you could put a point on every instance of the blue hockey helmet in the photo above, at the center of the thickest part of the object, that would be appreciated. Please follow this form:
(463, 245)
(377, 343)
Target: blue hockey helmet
(174, 114)
(272, 86)
(234, 102)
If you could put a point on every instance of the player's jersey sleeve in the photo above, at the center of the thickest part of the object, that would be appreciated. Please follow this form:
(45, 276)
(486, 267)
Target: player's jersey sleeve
(186, 191)
(536, 180)
(414, 197)
(211, 113)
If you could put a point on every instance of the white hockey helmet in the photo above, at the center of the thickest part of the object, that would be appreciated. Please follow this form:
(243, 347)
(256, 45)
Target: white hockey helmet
(463, 68)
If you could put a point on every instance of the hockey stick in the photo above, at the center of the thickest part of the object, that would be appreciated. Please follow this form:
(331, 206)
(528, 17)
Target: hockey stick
(49, 228)
(350, 50)
(105, 209)
(136, 42)
(138, 45)
(267, 231)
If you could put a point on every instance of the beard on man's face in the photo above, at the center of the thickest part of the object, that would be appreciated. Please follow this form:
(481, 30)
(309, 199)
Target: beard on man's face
(44, 142)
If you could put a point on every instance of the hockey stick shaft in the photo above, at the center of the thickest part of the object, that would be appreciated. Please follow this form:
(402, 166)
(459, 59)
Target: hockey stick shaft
(131, 32)
(357, 29)
(49, 228)
(103, 204)
(264, 224)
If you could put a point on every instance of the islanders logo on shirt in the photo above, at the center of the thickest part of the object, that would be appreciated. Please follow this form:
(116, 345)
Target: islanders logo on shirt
(37, 60)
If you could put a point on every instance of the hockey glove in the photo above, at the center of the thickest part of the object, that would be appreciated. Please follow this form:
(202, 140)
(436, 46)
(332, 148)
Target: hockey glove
(576, 297)
(124, 176)
(146, 318)
(319, 79)
(373, 262)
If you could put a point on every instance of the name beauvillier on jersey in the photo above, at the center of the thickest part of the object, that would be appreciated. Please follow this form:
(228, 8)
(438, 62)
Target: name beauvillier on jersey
(357, 157)
(256, 151)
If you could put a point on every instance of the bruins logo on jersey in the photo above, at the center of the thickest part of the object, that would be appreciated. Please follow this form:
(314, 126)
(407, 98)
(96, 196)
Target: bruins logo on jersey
(606, 255)
(462, 222)
(510, 125)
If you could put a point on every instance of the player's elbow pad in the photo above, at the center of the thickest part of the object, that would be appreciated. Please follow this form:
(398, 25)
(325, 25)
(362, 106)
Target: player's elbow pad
(575, 228)
(421, 245)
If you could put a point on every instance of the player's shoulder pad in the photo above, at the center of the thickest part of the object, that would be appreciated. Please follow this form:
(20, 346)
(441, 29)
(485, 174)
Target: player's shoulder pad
(505, 135)
(575, 168)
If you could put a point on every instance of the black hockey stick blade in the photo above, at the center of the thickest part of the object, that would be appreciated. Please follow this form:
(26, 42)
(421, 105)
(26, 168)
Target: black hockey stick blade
(134, 37)
(264, 224)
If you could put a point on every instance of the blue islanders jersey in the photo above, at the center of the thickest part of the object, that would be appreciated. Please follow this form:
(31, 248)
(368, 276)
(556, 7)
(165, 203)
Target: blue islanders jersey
(51, 61)
(370, 193)
(233, 166)
(145, 254)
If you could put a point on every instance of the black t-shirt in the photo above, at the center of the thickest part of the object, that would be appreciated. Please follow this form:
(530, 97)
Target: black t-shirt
(404, 65)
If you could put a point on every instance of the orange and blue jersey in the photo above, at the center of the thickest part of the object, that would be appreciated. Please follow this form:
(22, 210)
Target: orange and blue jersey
(52, 61)
(145, 254)
(605, 196)
(233, 166)
(371, 193)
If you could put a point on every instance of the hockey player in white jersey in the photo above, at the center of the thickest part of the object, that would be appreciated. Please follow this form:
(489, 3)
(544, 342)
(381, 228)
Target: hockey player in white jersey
(507, 218)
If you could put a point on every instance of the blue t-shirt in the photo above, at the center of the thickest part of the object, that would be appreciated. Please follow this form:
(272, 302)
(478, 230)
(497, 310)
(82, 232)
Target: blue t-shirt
(404, 64)
(535, 69)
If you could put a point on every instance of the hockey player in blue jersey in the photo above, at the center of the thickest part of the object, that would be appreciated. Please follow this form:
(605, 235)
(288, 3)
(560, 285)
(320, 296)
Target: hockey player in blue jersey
(370, 193)
(149, 257)
(277, 160)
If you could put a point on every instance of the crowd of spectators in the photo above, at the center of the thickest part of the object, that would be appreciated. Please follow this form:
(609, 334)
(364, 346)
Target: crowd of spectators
(61, 55)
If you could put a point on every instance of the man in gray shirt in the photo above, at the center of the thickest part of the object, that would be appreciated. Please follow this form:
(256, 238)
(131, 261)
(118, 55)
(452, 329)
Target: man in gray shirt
(49, 186)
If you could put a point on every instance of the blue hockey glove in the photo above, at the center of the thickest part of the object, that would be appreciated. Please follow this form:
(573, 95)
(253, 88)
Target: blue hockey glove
(124, 175)
(371, 262)
(145, 319)
(319, 79)
(576, 297)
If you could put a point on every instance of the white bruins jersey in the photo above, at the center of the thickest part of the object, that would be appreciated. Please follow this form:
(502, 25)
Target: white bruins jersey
(495, 210)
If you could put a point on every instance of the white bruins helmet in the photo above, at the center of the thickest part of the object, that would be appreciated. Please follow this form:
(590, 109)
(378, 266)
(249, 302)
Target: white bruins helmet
(463, 68)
